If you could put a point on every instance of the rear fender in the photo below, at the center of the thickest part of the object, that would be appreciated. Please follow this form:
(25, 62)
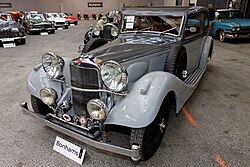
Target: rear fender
(142, 103)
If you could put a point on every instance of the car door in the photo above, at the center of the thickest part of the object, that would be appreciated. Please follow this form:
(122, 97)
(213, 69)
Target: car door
(197, 26)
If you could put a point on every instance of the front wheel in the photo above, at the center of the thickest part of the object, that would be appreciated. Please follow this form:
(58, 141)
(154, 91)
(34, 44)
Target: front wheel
(150, 137)
(93, 44)
(222, 36)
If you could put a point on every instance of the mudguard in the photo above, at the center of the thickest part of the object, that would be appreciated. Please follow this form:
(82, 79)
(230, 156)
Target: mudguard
(38, 79)
(204, 55)
(139, 108)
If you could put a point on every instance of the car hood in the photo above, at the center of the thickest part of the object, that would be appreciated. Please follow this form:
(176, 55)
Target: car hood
(57, 19)
(71, 18)
(38, 22)
(123, 49)
(240, 22)
(5, 25)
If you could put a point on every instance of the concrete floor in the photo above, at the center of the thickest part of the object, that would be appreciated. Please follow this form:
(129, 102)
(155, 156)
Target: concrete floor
(220, 107)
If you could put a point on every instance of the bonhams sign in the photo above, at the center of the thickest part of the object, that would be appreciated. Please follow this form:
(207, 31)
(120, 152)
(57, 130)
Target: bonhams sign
(5, 5)
(95, 4)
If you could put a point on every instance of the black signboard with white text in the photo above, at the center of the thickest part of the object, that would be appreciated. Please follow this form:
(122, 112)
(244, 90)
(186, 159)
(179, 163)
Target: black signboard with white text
(95, 4)
(5, 5)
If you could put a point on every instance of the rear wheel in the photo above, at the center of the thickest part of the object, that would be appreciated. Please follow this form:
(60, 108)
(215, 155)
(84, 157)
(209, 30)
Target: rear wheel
(93, 44)
(39, 107)
(150, 137)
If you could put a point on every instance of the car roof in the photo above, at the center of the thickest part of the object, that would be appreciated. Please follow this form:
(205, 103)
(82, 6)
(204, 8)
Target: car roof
(226, 10)
(163, 10)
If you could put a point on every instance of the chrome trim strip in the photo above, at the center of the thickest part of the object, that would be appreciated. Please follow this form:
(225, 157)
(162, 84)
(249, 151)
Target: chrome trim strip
(133, 153)
(96, 90)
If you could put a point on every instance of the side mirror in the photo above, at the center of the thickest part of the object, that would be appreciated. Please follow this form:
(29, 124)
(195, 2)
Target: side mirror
(193, 29)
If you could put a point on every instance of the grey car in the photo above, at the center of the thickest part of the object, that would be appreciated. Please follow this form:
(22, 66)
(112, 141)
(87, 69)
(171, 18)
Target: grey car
(129, 85)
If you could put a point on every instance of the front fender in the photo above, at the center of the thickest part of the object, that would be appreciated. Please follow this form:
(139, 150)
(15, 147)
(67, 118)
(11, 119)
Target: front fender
(206, 52)
(38, 79)
(139, 108)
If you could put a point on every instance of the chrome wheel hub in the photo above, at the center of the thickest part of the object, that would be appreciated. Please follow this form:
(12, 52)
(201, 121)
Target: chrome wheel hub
(162, 126)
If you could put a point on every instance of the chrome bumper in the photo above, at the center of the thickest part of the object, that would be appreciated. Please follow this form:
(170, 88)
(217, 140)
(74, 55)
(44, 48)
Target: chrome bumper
(42, 29)
(12, 39)
(234, 36)
(133, 153)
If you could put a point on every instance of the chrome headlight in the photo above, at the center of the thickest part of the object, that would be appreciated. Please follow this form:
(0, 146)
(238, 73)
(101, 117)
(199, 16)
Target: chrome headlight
(96, 31)
(238, 28)
(114, 76)
(114, 31)
(234, 29)
(96, 109)
(52, 64)
(48, 96)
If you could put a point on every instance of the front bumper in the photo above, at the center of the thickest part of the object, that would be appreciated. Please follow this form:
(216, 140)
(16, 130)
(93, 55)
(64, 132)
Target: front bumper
(41, 29)
(133, 152)
(231, 35)
(12, 39)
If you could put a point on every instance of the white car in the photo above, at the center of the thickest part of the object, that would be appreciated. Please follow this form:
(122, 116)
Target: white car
(59, 21)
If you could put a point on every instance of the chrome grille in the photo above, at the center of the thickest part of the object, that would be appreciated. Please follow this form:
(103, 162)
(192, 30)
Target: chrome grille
(8, 34)
(83, 76)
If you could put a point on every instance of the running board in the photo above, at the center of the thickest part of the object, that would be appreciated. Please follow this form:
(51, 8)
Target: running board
(194, 78)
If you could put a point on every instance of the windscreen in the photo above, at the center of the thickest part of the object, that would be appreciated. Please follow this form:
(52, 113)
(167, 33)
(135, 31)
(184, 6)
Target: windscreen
(230, 14)
(151, 23)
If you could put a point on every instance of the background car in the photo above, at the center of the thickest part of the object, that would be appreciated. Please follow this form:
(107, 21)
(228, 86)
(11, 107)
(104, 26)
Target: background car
(11, 31)
(129, 85)
(230, 24)
(71, 19)
(59, 21)
(35, 22)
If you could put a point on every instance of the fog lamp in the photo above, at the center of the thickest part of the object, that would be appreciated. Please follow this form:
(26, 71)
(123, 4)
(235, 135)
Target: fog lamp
(48, 96)
(96, 109)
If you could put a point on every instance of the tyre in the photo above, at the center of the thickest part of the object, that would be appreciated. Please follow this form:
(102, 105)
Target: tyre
(52, 32)
(66, 27)
(39, 107)
(176, 62)
(22, 41)
(150, 137)
(76, 22)
(222, 36)
(93, 44)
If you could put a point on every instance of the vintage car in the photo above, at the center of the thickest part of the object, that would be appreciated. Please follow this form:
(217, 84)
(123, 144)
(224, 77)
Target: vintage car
(59, 21)
(35, 22)
(230, 24)
(129, 85)
(71, 19)
(11, 31)
(106, 28)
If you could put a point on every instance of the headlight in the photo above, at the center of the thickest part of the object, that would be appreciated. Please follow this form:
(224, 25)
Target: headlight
(238, 28)
(114, 76)
(96, 109)
(114, 31)
(233, 29)
(48, 96)
(96, 31)
(52, 64)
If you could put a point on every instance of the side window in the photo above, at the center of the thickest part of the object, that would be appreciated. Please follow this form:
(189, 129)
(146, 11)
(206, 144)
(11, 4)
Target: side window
(195, 25)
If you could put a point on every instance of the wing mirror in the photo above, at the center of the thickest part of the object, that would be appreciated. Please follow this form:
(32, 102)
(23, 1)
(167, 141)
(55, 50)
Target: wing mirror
(192, 29)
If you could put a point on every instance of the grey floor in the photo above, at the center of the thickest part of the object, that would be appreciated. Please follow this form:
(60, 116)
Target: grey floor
(220, 107)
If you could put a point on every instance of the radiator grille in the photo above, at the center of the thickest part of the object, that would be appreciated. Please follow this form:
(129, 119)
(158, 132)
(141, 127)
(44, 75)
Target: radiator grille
(85, 78)
(8, 34)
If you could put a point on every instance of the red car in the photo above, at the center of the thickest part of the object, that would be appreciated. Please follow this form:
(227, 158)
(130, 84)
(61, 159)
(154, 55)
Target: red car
(71, 19)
